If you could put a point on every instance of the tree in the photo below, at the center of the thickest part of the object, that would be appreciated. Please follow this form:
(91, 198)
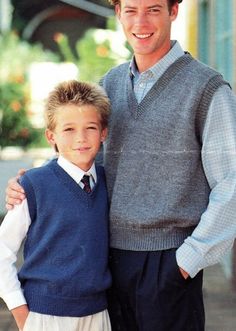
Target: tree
(16, 56)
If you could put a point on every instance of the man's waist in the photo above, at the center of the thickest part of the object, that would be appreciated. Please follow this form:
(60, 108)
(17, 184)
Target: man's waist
(147, 237)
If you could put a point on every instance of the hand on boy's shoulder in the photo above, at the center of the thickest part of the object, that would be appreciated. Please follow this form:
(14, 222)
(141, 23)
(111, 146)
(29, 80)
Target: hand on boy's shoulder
(14, 192)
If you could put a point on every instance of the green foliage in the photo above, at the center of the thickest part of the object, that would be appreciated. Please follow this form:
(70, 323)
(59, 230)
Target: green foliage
(16, 56)
(16, 129)
(95, 59)
(95, 52)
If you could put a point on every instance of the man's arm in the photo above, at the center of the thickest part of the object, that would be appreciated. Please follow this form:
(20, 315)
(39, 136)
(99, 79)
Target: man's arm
(216, 230)
(14, 192)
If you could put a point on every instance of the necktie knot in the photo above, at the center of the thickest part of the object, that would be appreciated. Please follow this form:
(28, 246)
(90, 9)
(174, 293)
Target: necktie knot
(85, 181)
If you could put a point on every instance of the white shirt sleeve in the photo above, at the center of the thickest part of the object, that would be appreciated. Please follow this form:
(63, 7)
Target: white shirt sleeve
(216, 231)
(12, 232)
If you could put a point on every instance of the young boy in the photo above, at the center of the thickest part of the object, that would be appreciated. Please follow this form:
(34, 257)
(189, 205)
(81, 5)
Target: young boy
(63, 281)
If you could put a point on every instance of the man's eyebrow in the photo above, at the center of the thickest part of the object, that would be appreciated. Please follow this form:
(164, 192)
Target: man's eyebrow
(155, 6)
(149, 7)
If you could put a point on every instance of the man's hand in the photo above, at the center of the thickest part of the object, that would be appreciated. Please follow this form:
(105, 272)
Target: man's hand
(184, 273)
(14, 192)
(20, 314)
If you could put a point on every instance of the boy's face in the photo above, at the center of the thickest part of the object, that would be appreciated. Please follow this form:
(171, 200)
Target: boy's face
(78, 134)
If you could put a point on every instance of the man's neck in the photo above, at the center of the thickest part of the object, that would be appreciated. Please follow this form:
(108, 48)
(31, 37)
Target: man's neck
(144, 62)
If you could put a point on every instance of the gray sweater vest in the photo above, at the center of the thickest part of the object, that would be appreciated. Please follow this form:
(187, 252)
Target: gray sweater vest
(155, 177)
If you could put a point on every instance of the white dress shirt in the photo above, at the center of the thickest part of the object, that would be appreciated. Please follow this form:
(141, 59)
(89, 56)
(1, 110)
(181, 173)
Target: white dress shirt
(13, 231)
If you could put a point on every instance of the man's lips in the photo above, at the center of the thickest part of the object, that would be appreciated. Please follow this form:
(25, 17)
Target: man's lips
(143, 35)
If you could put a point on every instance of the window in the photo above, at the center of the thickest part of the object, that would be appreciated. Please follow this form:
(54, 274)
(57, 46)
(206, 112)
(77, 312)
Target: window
(224, 38)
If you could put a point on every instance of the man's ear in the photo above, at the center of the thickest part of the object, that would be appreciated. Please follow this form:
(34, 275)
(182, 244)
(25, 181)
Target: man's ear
(117, 10)
(174, 11)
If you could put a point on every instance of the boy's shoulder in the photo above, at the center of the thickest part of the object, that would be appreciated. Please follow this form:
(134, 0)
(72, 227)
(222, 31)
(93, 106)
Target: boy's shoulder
(38, 172)
(100, 170)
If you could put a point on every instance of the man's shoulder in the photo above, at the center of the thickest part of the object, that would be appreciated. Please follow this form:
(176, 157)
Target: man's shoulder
(204, 69)
(114, 72)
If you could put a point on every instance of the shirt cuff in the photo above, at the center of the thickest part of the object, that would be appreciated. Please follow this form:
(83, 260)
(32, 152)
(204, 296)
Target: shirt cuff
(14, 299)
(189, 260)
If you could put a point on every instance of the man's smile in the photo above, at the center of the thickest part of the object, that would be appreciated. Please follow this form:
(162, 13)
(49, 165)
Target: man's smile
(143, 35)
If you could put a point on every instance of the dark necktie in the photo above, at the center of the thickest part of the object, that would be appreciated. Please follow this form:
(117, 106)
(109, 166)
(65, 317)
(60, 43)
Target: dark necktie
(85, 181)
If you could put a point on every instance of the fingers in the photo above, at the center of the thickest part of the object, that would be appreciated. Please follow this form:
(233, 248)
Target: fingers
(14, 193)
(21, 172)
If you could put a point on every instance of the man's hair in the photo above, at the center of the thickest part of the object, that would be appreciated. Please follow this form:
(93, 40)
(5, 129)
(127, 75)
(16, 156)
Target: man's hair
(170, 2)
(77, 93)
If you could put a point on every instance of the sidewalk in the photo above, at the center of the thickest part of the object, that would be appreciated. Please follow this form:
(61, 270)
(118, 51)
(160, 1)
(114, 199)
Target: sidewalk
(220, 304)
(220, 301)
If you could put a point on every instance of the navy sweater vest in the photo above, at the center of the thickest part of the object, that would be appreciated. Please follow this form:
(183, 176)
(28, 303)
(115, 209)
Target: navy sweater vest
(65, 272)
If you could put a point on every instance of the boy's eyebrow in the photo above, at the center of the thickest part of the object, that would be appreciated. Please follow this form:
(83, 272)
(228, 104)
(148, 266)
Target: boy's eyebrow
(73, 123)
(69, 123)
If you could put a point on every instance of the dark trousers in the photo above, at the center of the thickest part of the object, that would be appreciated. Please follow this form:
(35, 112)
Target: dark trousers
(150, 294)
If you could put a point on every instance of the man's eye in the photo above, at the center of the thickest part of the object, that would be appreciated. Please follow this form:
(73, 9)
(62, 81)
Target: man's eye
(154, 10)
(68, 129)
(129, 11)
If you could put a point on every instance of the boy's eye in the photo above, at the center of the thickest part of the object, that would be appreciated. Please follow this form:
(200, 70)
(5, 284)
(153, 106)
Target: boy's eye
(68, 129)
(92, 127)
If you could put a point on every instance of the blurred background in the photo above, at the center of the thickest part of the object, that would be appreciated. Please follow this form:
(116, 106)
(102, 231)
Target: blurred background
(45, 42)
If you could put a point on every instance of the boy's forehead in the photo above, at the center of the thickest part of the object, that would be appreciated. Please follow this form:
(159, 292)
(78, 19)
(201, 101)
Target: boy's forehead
(73, 112)
(79, 107)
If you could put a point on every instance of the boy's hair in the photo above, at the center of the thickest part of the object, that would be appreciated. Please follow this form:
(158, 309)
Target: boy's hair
(77, 93)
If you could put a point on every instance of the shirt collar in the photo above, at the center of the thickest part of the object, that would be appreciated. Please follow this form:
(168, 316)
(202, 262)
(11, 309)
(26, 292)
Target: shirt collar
(75, 172)
(161, 66)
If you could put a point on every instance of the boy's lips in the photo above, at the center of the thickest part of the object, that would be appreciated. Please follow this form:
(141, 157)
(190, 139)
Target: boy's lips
(142, 35)
(82, 149)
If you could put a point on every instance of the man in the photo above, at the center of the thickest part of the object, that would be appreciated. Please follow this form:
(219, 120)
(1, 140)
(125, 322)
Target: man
(171, 174)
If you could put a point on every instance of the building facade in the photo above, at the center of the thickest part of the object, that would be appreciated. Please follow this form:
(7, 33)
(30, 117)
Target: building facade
(211, 34)
(211, 37)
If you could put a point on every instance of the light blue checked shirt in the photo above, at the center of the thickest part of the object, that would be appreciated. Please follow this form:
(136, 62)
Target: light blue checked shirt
(216, 231)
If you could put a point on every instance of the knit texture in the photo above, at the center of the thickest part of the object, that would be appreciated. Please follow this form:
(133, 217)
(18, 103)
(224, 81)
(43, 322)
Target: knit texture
(65, 272)
(153, 165)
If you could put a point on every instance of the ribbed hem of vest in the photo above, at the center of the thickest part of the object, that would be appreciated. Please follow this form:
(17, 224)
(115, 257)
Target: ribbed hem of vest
(151, 239)
(70, 307)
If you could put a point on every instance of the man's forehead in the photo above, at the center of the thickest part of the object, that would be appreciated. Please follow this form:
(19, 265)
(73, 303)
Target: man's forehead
(144, 3)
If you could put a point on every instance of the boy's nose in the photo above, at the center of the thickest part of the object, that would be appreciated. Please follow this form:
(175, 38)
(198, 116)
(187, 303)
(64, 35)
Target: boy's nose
(81, 136)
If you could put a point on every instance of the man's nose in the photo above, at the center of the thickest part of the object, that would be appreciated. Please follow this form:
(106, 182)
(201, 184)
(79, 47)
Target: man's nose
(141, 19)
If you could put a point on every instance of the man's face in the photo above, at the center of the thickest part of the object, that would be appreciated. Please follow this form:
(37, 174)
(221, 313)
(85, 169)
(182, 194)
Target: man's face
(147, 26)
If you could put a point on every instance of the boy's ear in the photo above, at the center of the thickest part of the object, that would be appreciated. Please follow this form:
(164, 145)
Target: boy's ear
(104, 134)
(50, 137)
